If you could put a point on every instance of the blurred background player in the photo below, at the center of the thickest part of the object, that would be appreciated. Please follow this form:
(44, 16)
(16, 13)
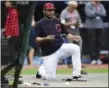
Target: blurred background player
(71, 19)
(32, 47)
(95, 12)
(11, 35)
(11, 30)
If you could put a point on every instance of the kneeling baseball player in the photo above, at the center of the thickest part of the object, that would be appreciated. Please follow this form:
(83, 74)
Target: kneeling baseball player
(49, 36)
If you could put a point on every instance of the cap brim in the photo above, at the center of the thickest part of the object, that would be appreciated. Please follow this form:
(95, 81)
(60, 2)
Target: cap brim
(50, 8)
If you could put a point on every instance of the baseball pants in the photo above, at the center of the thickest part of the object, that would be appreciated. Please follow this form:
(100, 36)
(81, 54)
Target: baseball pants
(48, 69)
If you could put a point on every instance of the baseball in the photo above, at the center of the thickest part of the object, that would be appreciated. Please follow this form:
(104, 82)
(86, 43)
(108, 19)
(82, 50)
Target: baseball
(67, 83)
(73, 27)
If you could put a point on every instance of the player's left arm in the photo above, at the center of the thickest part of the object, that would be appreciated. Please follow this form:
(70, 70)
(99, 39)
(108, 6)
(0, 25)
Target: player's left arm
(73, 37)
(64, 31)
(68, 35)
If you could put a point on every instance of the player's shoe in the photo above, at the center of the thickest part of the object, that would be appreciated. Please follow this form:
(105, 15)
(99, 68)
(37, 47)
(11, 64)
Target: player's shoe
(78, 78)
(38, 75)
(75, 78)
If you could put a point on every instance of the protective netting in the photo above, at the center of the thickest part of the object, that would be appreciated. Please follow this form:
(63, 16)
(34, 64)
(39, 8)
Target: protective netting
(12, 62)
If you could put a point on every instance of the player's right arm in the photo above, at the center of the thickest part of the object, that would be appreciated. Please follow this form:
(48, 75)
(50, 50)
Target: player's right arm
(43, 39)
(70, 36)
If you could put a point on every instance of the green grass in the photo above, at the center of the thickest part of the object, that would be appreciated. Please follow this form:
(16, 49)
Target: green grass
(67, 71)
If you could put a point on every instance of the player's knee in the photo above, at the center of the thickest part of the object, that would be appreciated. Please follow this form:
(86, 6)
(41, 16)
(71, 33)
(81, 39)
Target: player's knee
(42, 71)
(76, 48)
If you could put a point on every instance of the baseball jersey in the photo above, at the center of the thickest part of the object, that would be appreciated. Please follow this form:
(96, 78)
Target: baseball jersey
(46, 27)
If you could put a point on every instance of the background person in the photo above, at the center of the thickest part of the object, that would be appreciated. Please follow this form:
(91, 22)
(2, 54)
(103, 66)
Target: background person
(71, 19)
(95, 12)
(11, 30)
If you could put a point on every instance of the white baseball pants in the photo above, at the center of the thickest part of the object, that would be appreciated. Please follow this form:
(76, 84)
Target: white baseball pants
(48, 68)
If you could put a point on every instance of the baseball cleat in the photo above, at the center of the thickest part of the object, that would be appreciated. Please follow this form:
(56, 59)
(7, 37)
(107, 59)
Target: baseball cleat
(38, 75)
(78, 78)
(75, 78)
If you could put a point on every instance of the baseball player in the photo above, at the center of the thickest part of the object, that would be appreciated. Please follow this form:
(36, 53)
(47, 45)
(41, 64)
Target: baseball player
(53, 48)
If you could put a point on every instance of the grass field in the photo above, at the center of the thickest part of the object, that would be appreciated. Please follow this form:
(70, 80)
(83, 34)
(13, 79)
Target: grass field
(66, 71)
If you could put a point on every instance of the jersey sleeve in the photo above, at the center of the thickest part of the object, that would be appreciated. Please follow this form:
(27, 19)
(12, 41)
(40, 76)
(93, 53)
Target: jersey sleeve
(38, 29)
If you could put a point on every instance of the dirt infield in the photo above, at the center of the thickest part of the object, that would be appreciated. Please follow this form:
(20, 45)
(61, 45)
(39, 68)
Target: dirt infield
(65, 66)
